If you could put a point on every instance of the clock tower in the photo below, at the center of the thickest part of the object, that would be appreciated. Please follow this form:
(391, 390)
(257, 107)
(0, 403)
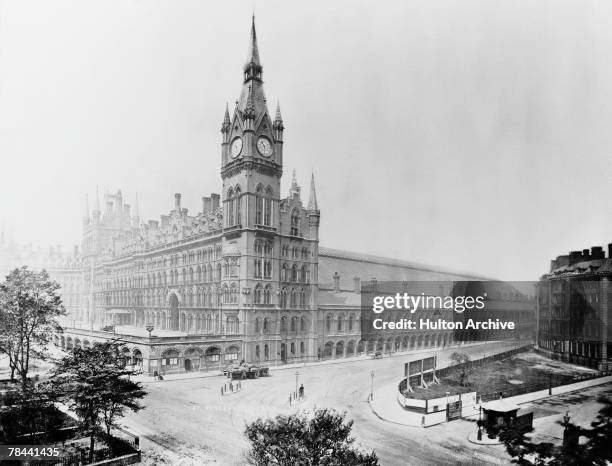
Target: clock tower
(251, 153)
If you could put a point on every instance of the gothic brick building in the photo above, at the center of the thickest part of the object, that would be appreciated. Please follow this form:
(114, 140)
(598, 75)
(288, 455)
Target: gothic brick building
(243, 279)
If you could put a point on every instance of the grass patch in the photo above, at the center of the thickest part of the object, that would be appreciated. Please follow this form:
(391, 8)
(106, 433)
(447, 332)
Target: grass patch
(522, 370)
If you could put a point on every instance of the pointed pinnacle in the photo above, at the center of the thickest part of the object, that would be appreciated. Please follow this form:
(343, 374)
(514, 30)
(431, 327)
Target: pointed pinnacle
(253, 55)
(278, 116)
(312, 202)
(86, 206)
(136, 212)
(97, 199)
(226, 118)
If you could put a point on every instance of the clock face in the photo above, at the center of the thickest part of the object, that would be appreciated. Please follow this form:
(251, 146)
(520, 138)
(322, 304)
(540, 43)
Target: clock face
(236, 147)
(264, 147)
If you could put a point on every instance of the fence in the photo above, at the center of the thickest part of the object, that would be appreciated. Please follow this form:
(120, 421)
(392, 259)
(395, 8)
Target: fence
(481, 362)
(552, 382)
(127, 444)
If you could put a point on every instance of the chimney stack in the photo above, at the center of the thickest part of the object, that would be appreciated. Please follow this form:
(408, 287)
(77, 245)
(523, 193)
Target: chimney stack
(597, 252)
(206, 205)
(177, 202)
(574, 256)
(215, 201)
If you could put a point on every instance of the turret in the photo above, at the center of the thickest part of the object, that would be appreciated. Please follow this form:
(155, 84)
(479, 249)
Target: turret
(313, 213)
(278, 125)
(86, 218)
(226, 125)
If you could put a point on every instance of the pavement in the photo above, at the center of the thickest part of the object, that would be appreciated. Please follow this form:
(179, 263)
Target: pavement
(190, 419)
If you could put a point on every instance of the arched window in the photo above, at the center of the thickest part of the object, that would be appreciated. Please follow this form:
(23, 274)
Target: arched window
(257, 295)
(328, 322)
(303, 274)
(267, 293)
(294, 324)
(302, 348)
(257, 325)
(267, 269)
(294, 273)
(266, 326)
(259, 205)
(230, 207)
(283, 324)
(293, 298)
(340, 323)
(295, 223)
(266, 351)
(257, 268)
(285, 273)
(268, 207)
(283, 298)
(303, 324)
(237, 205)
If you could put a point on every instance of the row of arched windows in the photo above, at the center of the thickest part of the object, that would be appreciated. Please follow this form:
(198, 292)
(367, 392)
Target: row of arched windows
(261, 295)
(293, 298)
(341, 323)
(293, 324)
(233, 207)
(296, 252)
(294, 274)
(263, 205)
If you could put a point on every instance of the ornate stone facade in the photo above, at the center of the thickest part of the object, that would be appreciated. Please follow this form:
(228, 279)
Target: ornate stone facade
(238, 280)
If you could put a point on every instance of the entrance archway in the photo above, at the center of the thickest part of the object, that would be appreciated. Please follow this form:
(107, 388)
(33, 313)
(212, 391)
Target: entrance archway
(174, 312)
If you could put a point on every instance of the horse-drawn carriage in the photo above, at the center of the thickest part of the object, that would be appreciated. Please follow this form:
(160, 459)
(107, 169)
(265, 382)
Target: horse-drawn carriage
(245, 371)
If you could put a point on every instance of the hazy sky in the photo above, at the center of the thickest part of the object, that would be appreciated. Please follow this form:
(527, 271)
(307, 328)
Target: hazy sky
(474, 135)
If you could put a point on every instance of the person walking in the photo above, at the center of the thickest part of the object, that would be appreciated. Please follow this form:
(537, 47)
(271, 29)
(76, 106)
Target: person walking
(301, 391)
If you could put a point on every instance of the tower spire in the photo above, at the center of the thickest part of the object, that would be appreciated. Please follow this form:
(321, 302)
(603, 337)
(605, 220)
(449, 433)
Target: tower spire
(97, 199)
(86, 213)
(253, 55)
(312, 202)
(295, 188)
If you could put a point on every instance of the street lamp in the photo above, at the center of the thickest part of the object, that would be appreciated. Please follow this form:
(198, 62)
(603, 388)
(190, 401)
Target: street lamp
(297, 374)
(372, 385)
(149, 329)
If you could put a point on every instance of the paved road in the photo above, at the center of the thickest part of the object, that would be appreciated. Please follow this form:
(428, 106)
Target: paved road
(191, 418)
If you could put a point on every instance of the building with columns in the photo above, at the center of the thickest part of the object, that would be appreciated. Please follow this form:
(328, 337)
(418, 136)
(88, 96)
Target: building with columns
(574, 308)
(242, 279)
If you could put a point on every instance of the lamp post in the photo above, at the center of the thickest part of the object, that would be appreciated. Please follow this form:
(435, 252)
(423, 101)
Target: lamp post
(566, 436)
(372, 385)
(297, 374)
(149, 329)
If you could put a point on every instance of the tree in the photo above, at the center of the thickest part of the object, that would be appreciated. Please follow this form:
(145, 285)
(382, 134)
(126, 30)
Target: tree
(596, 450)
(94, 382)
(320, 439)
(29, 308)
(461, 359)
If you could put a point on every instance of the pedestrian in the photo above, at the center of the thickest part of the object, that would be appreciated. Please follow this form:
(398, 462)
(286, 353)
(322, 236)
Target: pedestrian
(301, 391)
(231, 386)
